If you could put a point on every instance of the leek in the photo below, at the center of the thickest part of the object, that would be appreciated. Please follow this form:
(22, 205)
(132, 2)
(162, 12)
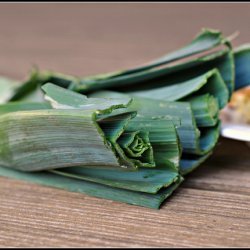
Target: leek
(128, 135)
(87, 149)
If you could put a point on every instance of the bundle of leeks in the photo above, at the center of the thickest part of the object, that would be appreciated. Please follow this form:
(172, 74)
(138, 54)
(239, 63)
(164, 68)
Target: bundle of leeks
(128, 136)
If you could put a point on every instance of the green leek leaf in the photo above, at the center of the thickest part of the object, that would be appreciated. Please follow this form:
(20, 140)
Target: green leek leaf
(242, 68)
(94, 189)
(189, 162)
(144, 180)
(211, 83)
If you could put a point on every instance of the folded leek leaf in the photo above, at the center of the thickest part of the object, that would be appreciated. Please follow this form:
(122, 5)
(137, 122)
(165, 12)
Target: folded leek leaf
(35, 140)
(242, 68)
(32, 144)
(209, 83)
(225, 63)
(158, 131)
(147, 79)
(209, 138)
(143, 180)
(38, 142)
(208, 39)
(112, 126)
(189, 162)
(61, 98)
(94, 189)
(193, 140)
(206, 110)
(142, 134)
(187, 130)
(205, 41)
(166, 76)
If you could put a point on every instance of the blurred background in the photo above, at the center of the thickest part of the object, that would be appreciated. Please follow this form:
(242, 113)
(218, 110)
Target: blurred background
(88, 38)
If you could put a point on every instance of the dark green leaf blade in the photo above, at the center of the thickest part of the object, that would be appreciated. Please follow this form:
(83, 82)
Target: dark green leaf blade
(144, 180)
(97, 190)
(242, 68)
